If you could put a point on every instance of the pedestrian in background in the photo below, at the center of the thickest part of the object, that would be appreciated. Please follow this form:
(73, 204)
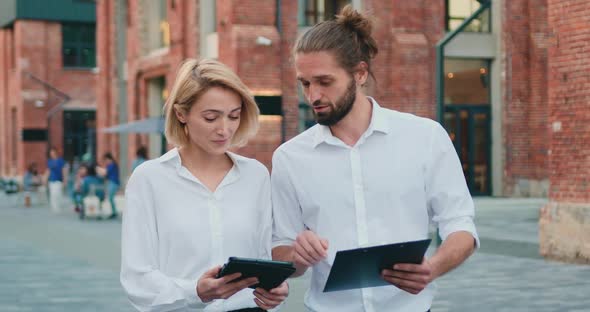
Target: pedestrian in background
(31, 181)
(140, 157)
(55, 176)
(111, 174)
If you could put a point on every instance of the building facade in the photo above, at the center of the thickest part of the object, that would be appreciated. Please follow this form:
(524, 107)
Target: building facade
(141, 44)
(511, 86)
(47, 81)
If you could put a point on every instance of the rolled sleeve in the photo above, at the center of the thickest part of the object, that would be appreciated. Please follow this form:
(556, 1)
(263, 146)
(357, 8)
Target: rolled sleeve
(287, 216)
(449, 199)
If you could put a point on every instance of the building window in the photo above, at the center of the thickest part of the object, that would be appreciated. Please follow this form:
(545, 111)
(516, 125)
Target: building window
(269, 105)
(79, 45)
(79, 134)
(460, 10)
(156, 34)
(156, 97)
(467, 81)
(312, 12)
(306, 117)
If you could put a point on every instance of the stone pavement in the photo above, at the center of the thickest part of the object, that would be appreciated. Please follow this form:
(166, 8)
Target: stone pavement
(507, 274)
(59, 263)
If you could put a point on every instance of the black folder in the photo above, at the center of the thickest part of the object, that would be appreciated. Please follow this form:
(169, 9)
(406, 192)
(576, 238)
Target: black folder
(361, 267)
(270, 273)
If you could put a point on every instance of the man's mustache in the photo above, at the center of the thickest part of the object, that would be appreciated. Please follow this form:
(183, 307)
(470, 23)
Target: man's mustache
(319, 103)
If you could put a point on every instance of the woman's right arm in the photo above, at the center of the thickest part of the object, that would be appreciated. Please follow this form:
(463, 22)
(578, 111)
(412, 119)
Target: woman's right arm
(147, 287)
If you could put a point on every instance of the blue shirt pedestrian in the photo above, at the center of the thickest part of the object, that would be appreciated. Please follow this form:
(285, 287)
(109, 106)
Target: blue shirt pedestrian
(113, 173)
(55, 166)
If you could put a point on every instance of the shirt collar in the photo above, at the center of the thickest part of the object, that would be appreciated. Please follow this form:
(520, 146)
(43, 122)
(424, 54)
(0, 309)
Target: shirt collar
(173, 157)
(378, 124)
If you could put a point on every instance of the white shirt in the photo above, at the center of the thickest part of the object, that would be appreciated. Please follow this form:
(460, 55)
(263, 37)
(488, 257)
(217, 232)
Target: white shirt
(174, 229)
(402, 173)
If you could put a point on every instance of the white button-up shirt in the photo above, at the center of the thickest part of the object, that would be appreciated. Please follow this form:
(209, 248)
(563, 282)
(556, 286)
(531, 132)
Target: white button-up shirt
(401, 174)
(174, 229)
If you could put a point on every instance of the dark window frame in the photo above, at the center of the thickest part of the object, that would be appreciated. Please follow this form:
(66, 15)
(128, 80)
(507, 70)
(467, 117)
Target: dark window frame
(73, 37)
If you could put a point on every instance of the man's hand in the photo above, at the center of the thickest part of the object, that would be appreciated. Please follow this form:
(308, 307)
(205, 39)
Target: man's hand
(271, 299)
(412, 278)
(209, 287)
(309, 249)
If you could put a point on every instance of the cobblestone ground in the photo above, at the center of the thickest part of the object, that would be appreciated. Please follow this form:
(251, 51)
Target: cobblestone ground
(59, 263)
(34, 279)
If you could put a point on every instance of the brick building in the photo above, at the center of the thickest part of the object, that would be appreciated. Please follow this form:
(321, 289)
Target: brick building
(513, 91)
(46, 81)
(495, 79)
(141, 43)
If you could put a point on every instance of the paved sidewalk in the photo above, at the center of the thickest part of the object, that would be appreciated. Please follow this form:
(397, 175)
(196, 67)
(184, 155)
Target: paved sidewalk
(59, 263)
(507, 273)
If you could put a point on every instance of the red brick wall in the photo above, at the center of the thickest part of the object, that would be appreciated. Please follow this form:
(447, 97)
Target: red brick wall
(239, 24)
(253, 12)
(266, 141)
(569, 98)
(258, 66)
(406, 33)
(538, 109)
(524, 85)
(5, 70)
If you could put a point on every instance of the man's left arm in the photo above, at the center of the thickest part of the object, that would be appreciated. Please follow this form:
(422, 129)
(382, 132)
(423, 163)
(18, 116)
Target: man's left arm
(452, 209)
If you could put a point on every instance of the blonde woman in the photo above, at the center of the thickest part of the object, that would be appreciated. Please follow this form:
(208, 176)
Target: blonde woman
(195, 206)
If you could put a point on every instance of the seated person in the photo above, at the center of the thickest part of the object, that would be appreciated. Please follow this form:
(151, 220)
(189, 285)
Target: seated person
(91, 184)
(31, 179)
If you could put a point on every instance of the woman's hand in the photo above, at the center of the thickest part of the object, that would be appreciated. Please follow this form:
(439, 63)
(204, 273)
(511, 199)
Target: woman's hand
(210, 288)
(271, 299)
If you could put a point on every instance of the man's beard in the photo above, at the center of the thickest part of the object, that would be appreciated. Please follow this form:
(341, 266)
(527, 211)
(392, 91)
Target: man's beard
(340, 109)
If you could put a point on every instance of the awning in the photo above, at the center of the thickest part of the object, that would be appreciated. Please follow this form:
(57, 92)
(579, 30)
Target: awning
(148, 125)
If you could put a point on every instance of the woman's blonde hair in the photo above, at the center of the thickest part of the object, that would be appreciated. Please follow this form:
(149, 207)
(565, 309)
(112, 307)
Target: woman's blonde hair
(193, 79)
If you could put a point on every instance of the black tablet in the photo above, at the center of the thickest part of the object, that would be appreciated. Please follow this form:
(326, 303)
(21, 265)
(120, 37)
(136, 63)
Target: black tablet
(270, 273)
(360, 268)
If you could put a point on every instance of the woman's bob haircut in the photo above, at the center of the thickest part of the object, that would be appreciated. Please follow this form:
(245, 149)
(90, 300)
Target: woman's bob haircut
(193, 79)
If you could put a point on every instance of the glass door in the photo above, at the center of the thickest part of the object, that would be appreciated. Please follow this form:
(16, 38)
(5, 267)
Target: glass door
(469, 128)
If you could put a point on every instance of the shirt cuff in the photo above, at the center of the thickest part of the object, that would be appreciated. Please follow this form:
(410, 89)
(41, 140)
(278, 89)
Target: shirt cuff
(283, 242)
(466, 224)
(189, 289)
